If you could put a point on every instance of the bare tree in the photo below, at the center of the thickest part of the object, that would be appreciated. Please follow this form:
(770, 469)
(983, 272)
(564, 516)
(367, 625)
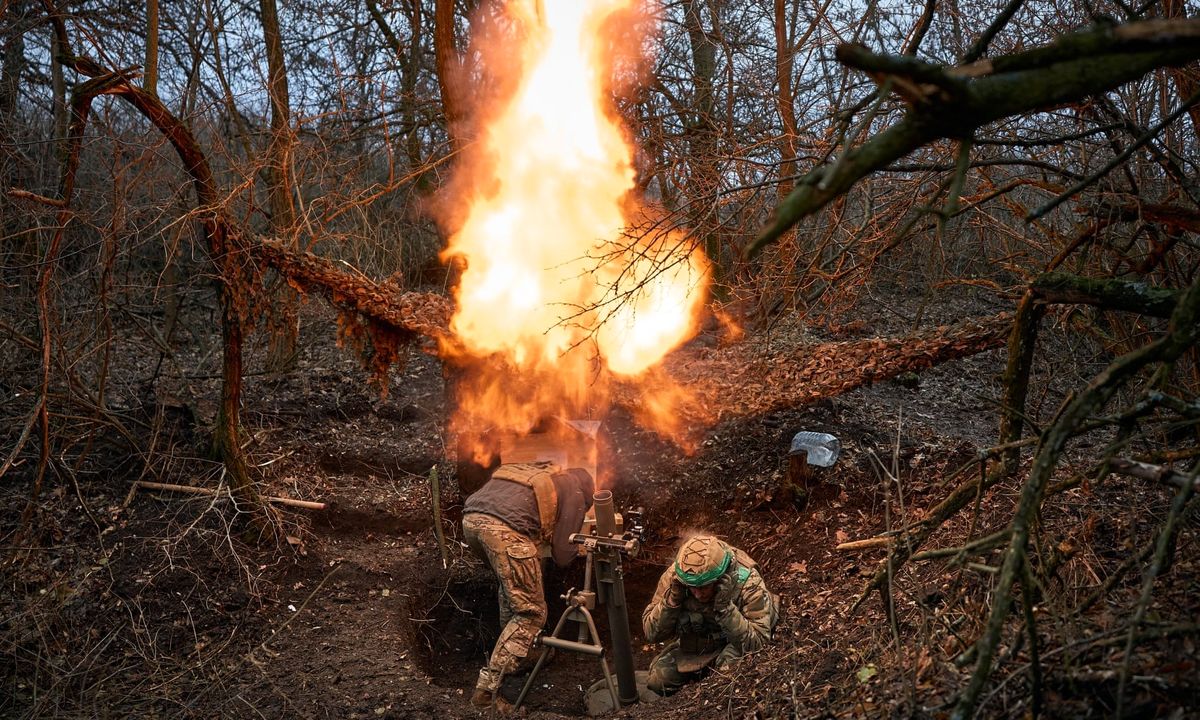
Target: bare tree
(150, 69)
(286, 326)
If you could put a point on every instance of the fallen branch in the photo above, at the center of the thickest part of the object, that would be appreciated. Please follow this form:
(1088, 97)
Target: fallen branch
(736, 381)
(747, 380)
(193, 490)
(1154, 473)
(1183, 332)
(413, 313)
(878, 541)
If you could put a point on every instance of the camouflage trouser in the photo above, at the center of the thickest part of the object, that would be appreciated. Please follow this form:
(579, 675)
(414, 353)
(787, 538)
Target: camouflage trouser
(516, 561)
(665, 676)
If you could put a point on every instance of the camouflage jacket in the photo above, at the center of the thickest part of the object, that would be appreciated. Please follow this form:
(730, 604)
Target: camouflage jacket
(701, 628)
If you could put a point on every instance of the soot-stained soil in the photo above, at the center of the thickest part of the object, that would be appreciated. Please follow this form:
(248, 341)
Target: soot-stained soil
(168, 607)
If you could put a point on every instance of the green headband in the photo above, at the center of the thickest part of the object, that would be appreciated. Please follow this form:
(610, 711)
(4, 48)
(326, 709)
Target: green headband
(703, 578)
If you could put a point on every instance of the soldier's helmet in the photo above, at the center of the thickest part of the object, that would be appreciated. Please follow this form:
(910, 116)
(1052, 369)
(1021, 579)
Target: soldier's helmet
(702, 560)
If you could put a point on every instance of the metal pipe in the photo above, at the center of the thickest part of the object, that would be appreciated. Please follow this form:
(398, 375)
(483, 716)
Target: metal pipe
(573, 646)
(618, 626)
(587, 586)
(606, 518)
(611, 580)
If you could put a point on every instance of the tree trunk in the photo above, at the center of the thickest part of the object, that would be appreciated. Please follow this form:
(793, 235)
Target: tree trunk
(449, 71)
(704, 177)
(150, 72)
(228, 254)
(285, 330)
(784, 62)
(12, 67)
(58, 86)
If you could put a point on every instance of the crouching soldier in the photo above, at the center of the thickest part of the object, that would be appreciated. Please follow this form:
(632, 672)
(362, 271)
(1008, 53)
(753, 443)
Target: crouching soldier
(713, 607)
(523, 509)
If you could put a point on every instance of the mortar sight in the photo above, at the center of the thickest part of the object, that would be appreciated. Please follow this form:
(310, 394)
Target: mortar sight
(608, 529)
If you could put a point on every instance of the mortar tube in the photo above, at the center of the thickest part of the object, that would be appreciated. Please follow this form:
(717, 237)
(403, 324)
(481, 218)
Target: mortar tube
(610, 579)
(618, 629)
(606, 518)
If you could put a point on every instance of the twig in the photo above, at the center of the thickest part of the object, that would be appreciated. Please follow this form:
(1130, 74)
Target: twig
(193, 490)
(82, 503)
(19, 336)
(980, 47)
(962, 162)
(1182, 335)
(27, 195)
(983, 544)
(884, 89)
(33, 415)
(1115, 577)
(1162, 550)
(1116, 161)
(250, 655)
(1035, 665)
(878, 541)
(978, 499)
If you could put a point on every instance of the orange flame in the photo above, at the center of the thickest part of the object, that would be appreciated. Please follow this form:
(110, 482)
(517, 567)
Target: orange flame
(553, 291)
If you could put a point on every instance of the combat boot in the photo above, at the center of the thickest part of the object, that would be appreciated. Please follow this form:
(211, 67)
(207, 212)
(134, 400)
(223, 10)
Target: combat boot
(482, 699)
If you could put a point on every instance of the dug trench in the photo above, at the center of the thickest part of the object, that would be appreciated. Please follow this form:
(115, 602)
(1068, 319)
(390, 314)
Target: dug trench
(355, 615)
(392, 630)
(461, 628)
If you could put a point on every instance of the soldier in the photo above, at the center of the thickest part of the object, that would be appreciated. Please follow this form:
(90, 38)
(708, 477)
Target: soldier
(523, 509)
(714, 607)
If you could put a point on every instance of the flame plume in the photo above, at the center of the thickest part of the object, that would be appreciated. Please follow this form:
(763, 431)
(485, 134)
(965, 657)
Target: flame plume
(554, 294)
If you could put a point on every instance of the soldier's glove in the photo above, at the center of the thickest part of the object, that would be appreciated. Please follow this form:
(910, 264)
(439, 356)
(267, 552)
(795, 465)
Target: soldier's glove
(691, 623)
(676, 592)
(727, 592)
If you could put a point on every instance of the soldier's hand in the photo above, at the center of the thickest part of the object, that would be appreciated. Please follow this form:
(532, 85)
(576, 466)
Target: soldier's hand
(727, 591)
(676, 592)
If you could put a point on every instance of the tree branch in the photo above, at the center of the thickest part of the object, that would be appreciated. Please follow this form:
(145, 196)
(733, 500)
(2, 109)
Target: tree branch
(1136, 297)
(1181, 335)
(959, 100)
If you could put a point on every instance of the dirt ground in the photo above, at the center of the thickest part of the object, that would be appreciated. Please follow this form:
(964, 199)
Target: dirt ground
(165, 608)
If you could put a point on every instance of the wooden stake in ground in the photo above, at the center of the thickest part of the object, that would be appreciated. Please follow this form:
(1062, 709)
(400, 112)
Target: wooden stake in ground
(435, 491)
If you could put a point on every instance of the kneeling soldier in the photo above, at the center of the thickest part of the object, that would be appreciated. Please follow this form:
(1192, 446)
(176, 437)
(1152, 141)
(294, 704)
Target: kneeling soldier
(714, 607)
(522, 509)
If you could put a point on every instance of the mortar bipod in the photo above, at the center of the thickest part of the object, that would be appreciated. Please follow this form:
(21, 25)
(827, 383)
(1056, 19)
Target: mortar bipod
(579, 609)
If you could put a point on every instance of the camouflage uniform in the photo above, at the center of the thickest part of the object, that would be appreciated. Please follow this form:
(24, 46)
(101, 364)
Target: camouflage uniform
(703, 635)
(508, 524)
(516, 561)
